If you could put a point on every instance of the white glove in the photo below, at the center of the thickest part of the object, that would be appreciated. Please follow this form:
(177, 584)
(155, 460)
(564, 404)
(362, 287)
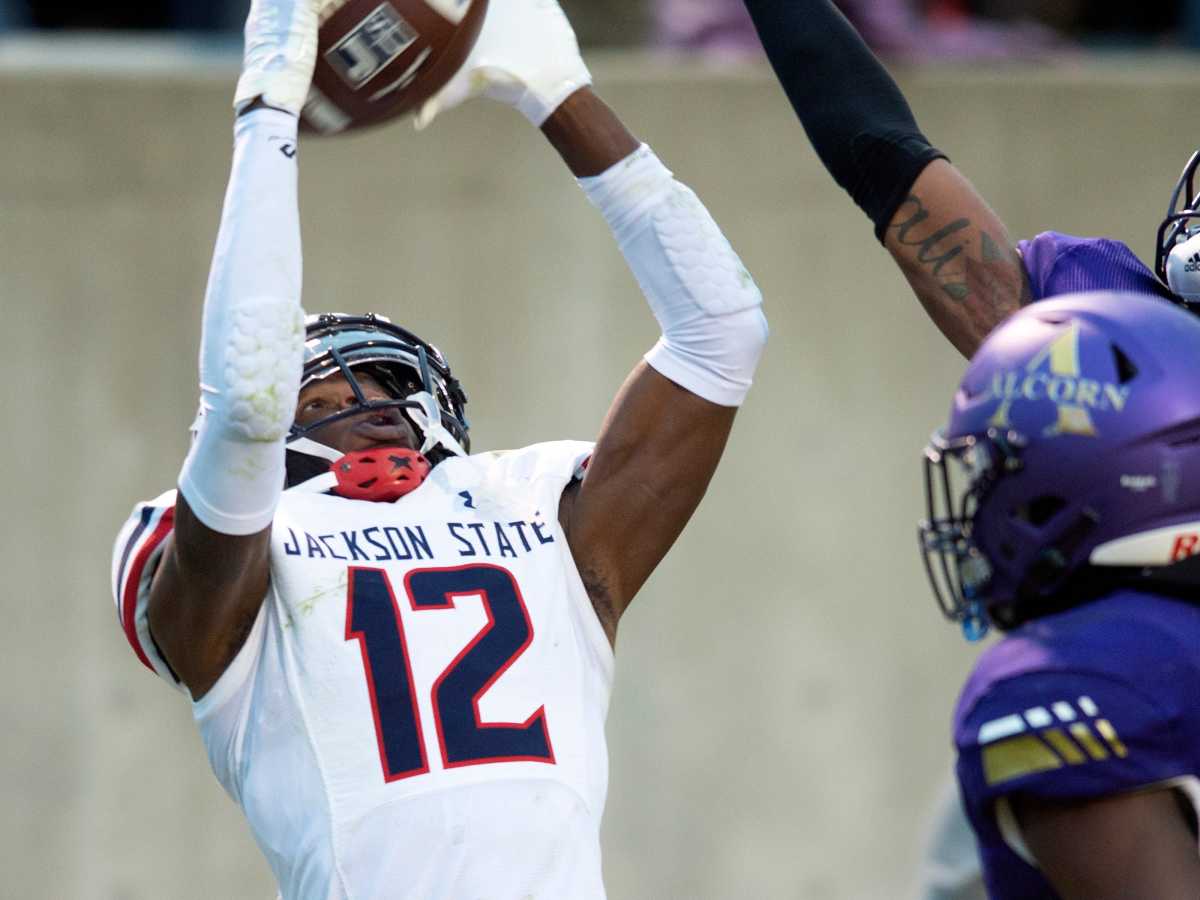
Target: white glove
(281, 50)
(526, 57)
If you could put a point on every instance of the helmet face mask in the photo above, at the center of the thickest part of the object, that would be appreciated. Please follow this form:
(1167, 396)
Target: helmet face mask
(413, 372)
(1176, 262)
(959, 474)
(1070, 465)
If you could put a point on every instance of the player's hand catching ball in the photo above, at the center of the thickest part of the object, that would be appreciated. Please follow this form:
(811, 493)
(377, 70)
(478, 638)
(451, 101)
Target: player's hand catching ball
(280, 52)
(526, 57)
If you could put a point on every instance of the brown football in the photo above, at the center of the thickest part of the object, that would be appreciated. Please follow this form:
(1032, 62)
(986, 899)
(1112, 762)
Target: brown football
(378, 59)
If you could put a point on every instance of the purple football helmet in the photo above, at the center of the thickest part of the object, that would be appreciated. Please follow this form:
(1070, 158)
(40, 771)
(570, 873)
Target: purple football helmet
(1071, 460)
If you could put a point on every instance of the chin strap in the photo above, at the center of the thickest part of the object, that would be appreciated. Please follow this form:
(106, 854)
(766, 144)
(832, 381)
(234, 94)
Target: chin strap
(312, 448)
(429, 420)
(326, 481)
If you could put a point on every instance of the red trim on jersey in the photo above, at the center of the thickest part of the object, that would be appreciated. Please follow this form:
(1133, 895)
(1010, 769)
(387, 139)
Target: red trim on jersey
(352, 635)
(133, 579)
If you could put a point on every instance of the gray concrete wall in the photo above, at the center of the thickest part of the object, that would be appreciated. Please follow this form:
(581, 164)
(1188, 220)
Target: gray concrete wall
(785, 684)
(610, 23)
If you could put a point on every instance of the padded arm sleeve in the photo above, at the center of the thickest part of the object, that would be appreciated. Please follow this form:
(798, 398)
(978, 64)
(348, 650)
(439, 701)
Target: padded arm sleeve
(701, 294)
(252, 345)
(853, 112)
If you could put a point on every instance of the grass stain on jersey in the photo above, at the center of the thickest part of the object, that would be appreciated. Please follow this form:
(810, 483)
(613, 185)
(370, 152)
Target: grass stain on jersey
(305, 607)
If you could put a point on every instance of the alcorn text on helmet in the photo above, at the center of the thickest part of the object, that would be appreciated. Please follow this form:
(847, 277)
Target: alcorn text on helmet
(1071, 461)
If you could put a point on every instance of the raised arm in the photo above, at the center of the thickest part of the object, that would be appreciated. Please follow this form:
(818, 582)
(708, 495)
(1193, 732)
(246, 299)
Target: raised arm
(667, 427)
(214, 572)
(953, 249)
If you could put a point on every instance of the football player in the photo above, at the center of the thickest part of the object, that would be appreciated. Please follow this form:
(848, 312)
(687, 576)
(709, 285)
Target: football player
(400, 663)
(1073, 527)
(956, 254)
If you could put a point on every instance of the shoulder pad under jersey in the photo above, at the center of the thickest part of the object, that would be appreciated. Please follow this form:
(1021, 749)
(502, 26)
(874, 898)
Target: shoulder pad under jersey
(136, 554)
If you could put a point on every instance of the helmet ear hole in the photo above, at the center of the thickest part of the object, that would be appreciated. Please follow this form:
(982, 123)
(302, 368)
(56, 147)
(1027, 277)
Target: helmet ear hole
(1126, 370)
(1040, 510)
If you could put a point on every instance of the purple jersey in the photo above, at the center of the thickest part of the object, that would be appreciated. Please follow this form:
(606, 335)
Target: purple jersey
(1061, 264)
(1098, 700)
(1053, 710)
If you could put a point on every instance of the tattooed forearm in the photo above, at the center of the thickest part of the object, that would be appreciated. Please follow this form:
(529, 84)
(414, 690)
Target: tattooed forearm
(939, 249)
(997, 284)
(967, 279)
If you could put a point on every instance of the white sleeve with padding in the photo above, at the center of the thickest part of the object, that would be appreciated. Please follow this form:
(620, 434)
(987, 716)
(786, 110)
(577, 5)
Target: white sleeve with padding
(706, 302)
(251, 349)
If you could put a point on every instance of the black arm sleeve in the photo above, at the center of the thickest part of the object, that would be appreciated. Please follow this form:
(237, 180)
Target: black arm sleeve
(854, 114)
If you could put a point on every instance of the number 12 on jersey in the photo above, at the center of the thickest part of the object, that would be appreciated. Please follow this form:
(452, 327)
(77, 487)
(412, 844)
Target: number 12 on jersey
(373, 619)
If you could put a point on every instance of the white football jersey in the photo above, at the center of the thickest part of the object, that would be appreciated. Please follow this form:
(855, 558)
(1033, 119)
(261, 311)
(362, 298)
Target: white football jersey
(419, 709)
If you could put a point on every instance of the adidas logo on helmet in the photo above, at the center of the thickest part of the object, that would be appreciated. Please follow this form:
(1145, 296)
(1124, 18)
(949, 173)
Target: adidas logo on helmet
(1181, 268)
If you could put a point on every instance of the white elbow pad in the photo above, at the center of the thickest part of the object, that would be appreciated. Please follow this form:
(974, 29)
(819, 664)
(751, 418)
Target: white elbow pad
(234, 473)
(703, 297)
(258, 366)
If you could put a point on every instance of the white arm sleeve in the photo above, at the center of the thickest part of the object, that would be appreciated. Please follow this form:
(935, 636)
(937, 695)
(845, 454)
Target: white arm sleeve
(703, 297)
(251, 349)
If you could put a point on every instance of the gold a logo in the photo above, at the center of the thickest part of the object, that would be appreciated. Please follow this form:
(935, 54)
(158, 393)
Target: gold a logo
(1054, 375)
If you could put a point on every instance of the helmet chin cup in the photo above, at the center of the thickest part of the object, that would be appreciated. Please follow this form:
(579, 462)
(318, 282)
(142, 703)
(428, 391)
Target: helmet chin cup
(1183, 267)
(383, 474)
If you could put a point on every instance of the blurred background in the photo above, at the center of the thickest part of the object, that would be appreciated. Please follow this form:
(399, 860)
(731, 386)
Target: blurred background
(780, 724)
(928, 29)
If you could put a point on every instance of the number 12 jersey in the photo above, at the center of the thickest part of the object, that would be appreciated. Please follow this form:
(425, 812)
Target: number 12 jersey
(418, 711)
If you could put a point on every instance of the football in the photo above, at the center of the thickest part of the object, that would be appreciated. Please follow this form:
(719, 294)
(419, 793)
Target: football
(378, 59)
